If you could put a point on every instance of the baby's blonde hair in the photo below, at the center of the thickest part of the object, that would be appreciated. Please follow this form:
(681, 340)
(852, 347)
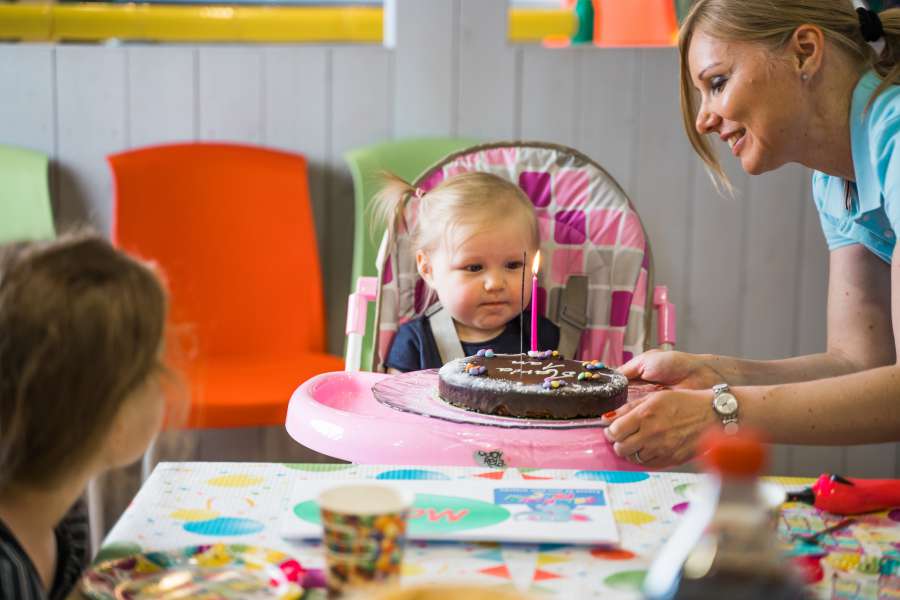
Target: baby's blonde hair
(771, 24)
(464, 199)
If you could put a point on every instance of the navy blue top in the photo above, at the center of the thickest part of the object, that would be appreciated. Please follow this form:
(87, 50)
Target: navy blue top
(414, 347)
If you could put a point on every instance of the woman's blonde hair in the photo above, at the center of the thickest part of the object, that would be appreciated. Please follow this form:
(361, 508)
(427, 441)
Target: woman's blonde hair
(463, 199)
(771, 24)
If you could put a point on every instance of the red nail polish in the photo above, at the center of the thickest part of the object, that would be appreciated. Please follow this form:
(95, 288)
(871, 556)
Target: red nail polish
(610, 415)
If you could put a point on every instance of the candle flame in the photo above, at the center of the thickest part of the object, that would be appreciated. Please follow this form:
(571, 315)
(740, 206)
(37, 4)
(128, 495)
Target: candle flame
(536, 263)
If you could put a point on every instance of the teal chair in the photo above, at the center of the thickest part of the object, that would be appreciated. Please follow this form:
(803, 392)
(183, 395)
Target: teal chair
(25, 211)
(407, 158)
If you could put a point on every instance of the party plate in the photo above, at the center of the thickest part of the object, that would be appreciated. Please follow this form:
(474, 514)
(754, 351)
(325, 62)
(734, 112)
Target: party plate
(208, 572)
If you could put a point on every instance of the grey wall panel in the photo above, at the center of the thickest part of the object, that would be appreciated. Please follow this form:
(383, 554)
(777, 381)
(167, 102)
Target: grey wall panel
(812, 298)
(712, 301)
(662, 180)
(772, 262)
(27, 97)
(91, 123)
(27, 102)
(361, 110)
(811, 461)
(608, 113)
(486, 72)
(296, 111)
(230, 93)
(872, 460)
(548, 95)
(425, 84)
(162, 99)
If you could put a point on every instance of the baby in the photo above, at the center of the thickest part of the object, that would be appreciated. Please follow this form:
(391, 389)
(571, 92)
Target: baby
(471, 236)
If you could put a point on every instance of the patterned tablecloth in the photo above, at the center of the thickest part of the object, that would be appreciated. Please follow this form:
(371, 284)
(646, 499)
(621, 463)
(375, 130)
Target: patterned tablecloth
(183, 504)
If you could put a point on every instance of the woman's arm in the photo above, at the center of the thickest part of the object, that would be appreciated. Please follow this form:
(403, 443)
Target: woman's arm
(860, 408)
(841, 407)
(859, 335)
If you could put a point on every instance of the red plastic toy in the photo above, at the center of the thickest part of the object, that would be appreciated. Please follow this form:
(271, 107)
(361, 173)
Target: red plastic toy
(842, 496)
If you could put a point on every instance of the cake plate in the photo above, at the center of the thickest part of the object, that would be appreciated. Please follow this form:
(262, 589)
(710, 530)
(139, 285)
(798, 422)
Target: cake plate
(338, 414)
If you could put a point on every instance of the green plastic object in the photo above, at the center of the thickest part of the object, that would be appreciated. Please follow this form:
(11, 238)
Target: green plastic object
(682, 8)
(407, 158)
(584, 11)
(25, 212)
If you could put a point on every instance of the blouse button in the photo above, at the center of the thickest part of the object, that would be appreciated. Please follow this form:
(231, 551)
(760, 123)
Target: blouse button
(888, 233)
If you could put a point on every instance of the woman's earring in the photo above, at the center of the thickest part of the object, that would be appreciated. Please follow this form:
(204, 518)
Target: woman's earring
(804, 76)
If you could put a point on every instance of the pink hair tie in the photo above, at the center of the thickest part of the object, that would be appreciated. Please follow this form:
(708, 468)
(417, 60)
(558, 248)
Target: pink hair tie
(419, 193)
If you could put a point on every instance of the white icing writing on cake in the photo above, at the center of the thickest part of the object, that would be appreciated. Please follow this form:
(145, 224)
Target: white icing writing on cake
(552, 370)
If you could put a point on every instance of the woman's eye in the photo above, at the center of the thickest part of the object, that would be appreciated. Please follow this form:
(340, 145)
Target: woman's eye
(717, 83)
(514, 265)
(472, 268)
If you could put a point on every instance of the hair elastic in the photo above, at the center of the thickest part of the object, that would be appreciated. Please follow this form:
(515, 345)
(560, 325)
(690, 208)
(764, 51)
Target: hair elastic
(870, 25)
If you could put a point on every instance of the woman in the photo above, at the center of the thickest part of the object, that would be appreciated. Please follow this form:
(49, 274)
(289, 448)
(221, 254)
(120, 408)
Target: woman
(813, 82)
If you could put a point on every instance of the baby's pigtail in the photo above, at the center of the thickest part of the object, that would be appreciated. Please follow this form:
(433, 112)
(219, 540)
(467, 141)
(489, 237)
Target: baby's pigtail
(388, 204)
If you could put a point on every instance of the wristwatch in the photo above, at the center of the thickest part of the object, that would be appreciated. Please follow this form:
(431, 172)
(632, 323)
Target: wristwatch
(726, 406)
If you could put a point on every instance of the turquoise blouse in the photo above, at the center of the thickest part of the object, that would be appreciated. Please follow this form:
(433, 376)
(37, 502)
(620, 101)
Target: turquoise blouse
(873, 216)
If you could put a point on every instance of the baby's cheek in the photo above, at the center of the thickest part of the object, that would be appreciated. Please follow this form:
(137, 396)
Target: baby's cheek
(462, 300)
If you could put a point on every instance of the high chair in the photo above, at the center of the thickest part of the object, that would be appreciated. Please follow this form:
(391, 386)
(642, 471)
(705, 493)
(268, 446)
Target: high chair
(230, 226)
(405, 158)
(595, 284)
(597, 273)
(25, 210)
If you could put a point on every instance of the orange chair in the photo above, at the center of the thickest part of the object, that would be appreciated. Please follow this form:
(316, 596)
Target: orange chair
(232, 230)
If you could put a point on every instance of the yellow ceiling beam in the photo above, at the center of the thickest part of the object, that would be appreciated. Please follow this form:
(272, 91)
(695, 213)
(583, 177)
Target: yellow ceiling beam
(219, 23)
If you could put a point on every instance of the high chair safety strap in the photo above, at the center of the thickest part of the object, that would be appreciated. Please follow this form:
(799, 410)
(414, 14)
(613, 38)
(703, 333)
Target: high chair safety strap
(444, 332)
(571, 314)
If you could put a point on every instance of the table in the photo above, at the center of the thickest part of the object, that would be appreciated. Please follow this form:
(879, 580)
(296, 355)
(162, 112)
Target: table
(190, 503)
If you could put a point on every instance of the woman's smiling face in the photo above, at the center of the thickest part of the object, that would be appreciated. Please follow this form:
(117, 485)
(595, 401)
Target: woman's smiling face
(749, 98)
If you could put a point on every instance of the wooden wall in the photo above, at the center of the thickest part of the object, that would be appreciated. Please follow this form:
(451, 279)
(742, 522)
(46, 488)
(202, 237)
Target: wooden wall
(748, 274)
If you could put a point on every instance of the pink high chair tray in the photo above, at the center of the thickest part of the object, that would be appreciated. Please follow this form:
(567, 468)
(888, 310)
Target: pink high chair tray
(338, 414)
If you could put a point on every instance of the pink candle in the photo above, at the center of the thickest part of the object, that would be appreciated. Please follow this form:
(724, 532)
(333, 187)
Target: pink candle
(535, 265)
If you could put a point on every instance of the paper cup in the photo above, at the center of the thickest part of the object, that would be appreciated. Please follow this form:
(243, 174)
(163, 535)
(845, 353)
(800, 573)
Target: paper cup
(363, 533)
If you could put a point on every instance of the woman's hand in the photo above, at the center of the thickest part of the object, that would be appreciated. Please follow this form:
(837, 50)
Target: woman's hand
(662, 428)
(674, 369)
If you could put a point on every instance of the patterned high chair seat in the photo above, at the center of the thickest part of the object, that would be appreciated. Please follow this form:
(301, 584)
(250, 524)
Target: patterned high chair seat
(588, 227)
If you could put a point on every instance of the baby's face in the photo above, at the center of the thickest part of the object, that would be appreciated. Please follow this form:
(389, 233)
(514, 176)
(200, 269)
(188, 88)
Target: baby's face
(477, 275)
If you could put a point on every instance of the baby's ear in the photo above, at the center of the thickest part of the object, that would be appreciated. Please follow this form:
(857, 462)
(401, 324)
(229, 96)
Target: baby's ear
(423, 264)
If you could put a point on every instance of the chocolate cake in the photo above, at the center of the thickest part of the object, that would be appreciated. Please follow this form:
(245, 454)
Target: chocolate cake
(539, 386)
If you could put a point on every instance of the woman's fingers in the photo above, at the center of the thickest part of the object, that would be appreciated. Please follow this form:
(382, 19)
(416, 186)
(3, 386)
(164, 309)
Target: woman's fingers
(620, 412)
(625, 424)
(634, 368)
(661, 428)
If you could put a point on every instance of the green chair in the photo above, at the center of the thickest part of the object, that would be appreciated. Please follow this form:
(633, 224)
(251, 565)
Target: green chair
(407, 158)
(25, 211)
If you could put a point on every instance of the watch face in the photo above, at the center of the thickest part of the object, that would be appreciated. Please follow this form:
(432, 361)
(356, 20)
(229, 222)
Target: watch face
(726, 404)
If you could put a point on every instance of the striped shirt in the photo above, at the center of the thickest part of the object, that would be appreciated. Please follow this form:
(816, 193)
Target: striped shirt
(19, 579)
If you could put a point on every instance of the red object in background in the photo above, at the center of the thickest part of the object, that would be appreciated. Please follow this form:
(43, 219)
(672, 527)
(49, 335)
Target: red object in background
(842, 496)
(635, 23)
(810, 567)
